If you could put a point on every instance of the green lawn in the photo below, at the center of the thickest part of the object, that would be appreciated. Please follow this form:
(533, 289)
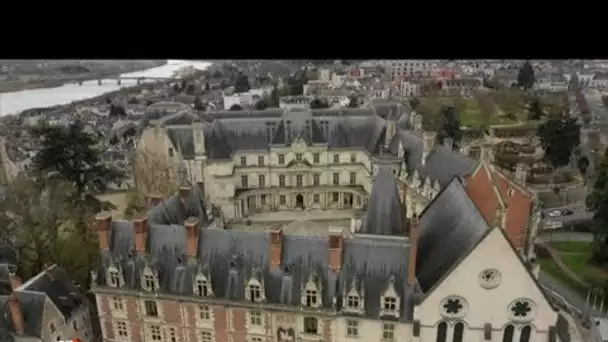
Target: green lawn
(571, 246)
(547, 266)
(471, 114)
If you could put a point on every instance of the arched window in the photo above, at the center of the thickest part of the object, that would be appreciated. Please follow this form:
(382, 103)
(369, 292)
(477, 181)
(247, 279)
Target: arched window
(458, 332)
(507, 335)
(525, 334)
(442, 332)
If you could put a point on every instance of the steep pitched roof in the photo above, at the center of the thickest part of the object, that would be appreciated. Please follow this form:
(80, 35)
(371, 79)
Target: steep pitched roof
(384, 213)
(449, 227)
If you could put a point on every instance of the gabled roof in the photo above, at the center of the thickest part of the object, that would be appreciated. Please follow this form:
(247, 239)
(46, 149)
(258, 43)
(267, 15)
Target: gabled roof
(449, 228)
(384, 213)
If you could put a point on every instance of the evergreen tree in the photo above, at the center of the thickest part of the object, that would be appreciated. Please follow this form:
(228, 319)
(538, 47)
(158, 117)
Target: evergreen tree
(353, 101)
(597, 201)
(558, 137)
(525, 76)
(535, 110)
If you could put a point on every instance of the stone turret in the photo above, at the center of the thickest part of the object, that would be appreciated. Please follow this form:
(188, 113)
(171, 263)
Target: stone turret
(428, 143)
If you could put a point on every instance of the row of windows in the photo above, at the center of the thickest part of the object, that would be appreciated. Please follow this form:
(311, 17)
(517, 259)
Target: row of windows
(316, 158)
(316, 180)
(155, 333)
(458, 333)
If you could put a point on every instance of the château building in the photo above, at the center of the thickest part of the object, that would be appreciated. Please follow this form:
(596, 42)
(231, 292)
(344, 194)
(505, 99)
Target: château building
(175, 274)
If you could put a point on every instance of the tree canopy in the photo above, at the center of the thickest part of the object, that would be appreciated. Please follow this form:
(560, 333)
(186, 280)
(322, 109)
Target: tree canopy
(353, 101)
(597, 201)
(450, 125)
(535, 109)
(72, 153)
(235, 107)
(559, 136)
(241, 84)
(525, 76)
(318, 103)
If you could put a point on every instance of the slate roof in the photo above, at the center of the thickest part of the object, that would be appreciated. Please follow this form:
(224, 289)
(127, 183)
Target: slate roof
(230, 131)
(384, 214)
(450, 226)
(231, 257)
(52, 285)
(442, 163)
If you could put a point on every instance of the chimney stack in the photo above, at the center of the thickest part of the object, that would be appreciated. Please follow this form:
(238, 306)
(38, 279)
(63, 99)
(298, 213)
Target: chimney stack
(192, 235)
(15, 281)
(336, 242)
(414, 236)
(16, 314)
(184, 193)
(154, 199)
(140, 225)
(103, 222)
(276, 247)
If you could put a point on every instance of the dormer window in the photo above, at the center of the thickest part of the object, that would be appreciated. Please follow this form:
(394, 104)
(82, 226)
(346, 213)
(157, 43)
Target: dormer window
(352, 302)
(149, 280)
(311, 298)
(255, 290)
(114, 277)
(202, 286)
(390, 304)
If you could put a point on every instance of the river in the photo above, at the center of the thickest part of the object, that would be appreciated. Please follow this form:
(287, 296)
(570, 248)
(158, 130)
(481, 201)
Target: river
(16, 102)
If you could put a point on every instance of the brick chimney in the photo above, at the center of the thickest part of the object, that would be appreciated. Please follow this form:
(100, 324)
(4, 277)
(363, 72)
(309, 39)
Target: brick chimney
(336, 243)
(184, 192)
(414, 236)
(192, 235)
(276, 247)
(140, 225)
(16, 314)
(15, 281)
(103, 222)
(154, 199)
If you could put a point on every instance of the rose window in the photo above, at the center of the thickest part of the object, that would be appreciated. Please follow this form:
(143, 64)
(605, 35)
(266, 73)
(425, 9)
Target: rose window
(521, 309)
(453, 307)
(489, 278)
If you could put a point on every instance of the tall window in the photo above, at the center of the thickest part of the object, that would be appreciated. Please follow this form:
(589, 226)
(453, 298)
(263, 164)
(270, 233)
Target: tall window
(262, 181)
(458, 332)
(310, 325)
(442, 332)
(315, 158)
(352, 328)
(315, 198)
(507, 335)
(298, 157)
(150, 282)
(117, 303)
(244, 181)
(524, 336)
(353, 158)
(316, 179)
(255, 292)
(151, 309)
(282, 199)
(170, 152)
(172, 335)
(204, 312)
(281, 159)
(256, 317)
(114, 278)
(282, 181)
(261, 160)
(121, 330)
(336, 196)
(353, 178)
(243, 161)
(311, 298)
(336, 178)
(388, 331)
(336, 158)
(155, 333)
(299, 180)
(202, 287)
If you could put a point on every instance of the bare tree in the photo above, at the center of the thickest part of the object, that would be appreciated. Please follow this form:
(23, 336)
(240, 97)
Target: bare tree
(511, 101)
(36, 220)
(429, 109)
(154, 174)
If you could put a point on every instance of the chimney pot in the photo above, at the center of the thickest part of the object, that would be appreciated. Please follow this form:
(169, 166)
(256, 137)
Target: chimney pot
(140, 225)
(414, 236)
(103, 222)
(16, 314)
(336, 243)
(192, 224)
(276, 247)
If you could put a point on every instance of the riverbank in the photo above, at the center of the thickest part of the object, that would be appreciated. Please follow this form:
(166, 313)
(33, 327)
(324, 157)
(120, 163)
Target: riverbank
(53, 81)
